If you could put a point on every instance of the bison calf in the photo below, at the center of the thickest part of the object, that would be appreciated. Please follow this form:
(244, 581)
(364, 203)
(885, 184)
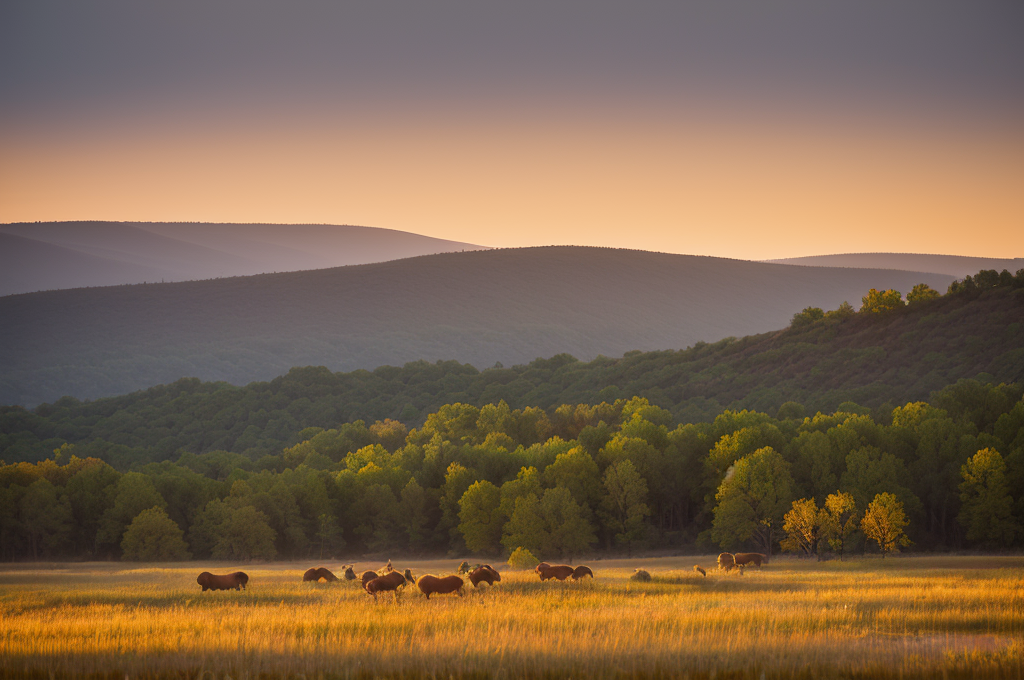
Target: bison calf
(581, 571)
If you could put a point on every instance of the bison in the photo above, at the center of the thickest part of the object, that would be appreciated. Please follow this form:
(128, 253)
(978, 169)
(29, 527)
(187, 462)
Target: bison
(726, 562)
(581, 571)
(368, 576)
(350, 574)
(432, 585)
(559, 571)
(748, 559)
(317, 573)
(391, 581)
(236, 581)
(484, 574)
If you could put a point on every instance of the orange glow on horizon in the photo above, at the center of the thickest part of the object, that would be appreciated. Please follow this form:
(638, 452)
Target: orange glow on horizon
(729, 185)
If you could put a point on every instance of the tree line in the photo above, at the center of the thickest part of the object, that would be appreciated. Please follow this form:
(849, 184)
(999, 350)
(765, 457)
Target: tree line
(614, 476)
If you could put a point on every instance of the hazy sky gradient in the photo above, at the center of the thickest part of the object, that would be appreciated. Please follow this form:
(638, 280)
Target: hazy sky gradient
(752, 130)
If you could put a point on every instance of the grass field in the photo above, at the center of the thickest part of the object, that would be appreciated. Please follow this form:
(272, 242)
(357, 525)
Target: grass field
(906, 617)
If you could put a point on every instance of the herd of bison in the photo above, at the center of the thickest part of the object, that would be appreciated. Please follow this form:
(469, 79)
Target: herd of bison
(388, 579)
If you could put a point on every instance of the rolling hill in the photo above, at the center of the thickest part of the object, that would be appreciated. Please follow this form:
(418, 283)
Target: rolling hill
(953, 265)
(481, 307)
(58, 255)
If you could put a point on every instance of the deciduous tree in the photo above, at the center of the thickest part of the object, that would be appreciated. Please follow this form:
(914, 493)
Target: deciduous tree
(987, 505)
(884, 521)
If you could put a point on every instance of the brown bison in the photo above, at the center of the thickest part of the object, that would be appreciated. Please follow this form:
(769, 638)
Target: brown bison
(368, 576)
(748, 559)
(484, 574)
(432, 585)
(581, 571)
(726, 562)
(559, 571)
(389, 582)
(235, 581)
(318, 573)
(350, 574)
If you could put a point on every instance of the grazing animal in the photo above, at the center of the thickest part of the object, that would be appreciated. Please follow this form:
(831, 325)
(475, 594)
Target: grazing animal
(484, 574)
(463, 568)
(432, 585)
(581, 571)
(726, 562)
(236, 581)
(640, 575)
(350, 575)
(559, 571)
(318, 573)
(700, 570)
(368, 576)
(388, 582)
(750, 559)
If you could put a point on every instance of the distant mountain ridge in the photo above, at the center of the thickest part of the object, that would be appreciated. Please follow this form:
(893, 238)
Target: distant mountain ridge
(481, 307)
(60, 255)
(953, 265)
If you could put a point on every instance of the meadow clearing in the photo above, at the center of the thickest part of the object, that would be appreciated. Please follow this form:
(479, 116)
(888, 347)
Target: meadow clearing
(901, 617)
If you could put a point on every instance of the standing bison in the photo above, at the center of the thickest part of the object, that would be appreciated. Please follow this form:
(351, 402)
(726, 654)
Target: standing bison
(484, 574)
(750, 559)
(389, 582)
(559, 571)
(432, 585)
(235, 581)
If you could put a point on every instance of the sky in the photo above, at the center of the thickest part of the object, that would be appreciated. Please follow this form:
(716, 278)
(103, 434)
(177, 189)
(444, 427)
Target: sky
(753, 130)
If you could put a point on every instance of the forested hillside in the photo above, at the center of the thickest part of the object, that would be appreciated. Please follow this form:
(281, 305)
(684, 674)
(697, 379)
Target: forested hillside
(876, 360)
(480, 308)
(284, 469)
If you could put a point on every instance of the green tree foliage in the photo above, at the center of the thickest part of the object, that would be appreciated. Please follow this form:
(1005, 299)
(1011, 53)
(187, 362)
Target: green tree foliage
(807, 317)
(554, 524)
(154, 537)
(843, 311)
(752, 500)
(838, 521)
(245, 535)
(922, 292)
(987, 505)
(624, 507)
(46, 519)
(480, 518)
(334, 486)
(521, 558)
(802, 524)
(881, 301)
(883, 523)
(135, 493)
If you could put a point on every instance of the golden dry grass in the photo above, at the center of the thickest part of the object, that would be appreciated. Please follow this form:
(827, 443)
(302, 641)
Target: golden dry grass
(907, 617)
